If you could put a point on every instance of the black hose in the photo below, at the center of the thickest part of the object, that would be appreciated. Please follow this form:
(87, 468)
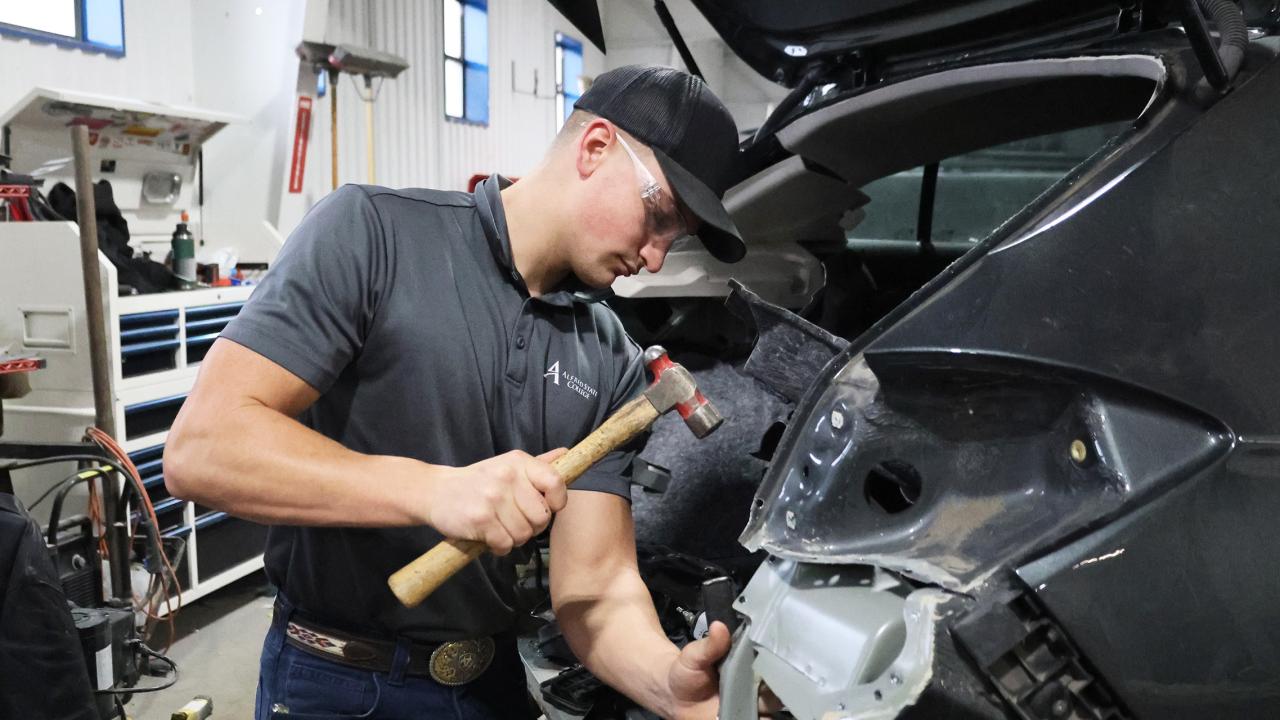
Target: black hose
(134, 485)
(101, 459)
(143, 649)
(52, 489)
(1219, 64)
(1233, 35)
(55, 515)
(788, 103)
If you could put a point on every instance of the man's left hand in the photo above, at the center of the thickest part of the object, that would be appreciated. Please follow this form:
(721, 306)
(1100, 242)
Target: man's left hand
(694, 679)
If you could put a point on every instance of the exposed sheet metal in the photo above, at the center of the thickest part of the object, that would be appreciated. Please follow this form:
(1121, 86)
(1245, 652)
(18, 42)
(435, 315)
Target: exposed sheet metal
(945, 466)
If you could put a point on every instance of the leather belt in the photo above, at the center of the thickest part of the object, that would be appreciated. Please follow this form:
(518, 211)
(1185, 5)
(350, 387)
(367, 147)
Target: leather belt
(456, 662)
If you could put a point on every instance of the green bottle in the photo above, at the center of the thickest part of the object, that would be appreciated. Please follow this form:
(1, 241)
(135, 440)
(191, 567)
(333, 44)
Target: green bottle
(184, 255)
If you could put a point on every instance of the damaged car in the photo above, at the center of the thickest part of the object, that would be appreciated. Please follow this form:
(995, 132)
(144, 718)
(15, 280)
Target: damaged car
(1002, 419)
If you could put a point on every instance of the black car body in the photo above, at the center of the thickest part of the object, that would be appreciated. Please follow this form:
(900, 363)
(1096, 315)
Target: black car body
(1041, 479)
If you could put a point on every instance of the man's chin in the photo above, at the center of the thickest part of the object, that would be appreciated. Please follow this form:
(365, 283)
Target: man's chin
(598, 281)
(601, 283)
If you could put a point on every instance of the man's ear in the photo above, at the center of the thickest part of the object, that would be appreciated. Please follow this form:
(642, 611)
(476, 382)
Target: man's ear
(593, 144)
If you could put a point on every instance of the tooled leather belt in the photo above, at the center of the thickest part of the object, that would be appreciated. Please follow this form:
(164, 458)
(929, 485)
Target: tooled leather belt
(456, 662)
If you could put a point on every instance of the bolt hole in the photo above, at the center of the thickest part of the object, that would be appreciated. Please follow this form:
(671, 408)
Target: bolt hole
(804, 470)
(758, 502)
(893, 486)
(878, 695)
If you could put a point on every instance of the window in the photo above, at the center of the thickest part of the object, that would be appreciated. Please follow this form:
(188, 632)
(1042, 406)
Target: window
(88, 24)
(466, 60)
(568, 75)
(972, 193)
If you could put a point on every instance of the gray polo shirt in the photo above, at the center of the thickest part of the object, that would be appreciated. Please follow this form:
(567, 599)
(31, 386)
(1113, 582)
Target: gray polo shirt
(404, 310)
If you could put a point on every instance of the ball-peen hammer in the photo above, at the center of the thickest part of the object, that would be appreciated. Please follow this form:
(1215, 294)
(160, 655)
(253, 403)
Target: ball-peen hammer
(673, 388)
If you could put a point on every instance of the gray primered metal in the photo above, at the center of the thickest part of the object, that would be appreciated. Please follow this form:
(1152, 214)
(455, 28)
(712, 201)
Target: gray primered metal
(830, 642)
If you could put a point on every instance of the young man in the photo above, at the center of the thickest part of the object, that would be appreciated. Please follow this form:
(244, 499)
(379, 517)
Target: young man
(439, 348)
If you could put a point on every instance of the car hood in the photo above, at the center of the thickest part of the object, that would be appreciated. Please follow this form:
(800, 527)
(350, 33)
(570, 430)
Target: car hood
(880, 39)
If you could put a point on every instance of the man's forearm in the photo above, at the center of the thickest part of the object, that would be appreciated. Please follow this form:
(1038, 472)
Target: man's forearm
(236, 446)
(257, 463)
(616, 634)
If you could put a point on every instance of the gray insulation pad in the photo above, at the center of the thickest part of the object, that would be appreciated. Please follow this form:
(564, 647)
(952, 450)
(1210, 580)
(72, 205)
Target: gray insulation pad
(713, 480)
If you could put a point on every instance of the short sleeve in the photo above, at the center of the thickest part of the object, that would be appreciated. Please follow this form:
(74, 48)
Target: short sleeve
(313, 310)
(613, 473)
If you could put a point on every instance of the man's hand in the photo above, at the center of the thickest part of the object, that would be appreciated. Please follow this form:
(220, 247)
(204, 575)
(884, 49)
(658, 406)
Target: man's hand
(694, 679)
(503, 501)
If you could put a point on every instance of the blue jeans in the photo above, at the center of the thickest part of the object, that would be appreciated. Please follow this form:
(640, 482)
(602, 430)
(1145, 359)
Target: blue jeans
(313, 688)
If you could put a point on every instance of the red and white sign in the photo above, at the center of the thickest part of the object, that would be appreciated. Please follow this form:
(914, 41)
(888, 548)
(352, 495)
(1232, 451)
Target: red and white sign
(301, 133)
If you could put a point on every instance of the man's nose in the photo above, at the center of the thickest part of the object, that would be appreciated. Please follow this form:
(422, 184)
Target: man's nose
(652, 257)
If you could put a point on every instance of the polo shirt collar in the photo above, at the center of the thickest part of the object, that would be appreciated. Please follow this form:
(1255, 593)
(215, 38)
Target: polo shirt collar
(488, 196)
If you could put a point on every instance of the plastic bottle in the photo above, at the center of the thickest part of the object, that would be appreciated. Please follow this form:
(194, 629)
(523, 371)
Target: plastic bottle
(184, 254)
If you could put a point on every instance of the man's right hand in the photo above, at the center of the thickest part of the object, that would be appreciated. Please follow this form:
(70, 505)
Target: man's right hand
(503, 502)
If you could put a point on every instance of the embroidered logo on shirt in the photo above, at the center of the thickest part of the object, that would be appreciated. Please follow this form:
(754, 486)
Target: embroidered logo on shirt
(571, 381)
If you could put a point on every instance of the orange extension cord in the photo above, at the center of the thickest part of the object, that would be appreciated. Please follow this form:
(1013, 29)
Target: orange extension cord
(150, 603)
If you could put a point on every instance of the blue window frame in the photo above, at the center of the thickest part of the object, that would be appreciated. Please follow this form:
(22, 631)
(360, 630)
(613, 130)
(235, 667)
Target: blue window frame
(568, 75)
(94, 25)
(466, 60)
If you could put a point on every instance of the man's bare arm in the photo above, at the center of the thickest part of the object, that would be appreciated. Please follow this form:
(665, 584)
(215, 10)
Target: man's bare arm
(237, 446)
(607, 615)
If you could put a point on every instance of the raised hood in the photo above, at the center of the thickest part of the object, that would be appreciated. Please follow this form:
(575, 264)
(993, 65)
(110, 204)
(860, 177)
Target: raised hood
(877, 39)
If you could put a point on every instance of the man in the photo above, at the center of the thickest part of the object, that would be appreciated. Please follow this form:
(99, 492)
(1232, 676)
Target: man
(440, 348)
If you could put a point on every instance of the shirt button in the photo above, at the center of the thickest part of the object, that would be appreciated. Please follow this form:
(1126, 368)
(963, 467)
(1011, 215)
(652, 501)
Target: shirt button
(520, 342)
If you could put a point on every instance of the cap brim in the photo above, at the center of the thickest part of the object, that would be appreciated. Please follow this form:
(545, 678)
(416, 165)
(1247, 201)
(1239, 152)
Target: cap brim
(718, 233)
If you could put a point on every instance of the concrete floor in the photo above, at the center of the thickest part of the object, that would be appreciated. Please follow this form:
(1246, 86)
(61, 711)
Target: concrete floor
(219, 638)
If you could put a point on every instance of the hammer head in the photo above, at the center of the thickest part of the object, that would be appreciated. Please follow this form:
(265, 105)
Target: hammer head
(674, 387)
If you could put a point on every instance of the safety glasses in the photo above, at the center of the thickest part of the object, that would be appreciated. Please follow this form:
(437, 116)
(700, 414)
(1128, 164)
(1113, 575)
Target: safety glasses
(665, 223)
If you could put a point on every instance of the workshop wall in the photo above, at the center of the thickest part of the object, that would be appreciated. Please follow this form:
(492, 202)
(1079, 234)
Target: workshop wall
(414, 143)
(231, 56)
(156, 67)
(237, 56)
(244, 63)
(634, 34)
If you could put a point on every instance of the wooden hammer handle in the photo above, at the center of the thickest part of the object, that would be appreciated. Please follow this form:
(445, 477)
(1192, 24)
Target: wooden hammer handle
(415, 581)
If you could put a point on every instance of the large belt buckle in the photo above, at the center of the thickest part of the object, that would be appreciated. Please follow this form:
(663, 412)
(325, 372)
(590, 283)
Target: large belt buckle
(458, 662)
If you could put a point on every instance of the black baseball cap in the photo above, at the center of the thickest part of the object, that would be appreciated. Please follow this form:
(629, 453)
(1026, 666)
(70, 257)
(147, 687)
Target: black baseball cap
(690, 132)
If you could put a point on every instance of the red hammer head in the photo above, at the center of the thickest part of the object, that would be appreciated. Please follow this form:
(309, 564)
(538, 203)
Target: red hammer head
(673, 386)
